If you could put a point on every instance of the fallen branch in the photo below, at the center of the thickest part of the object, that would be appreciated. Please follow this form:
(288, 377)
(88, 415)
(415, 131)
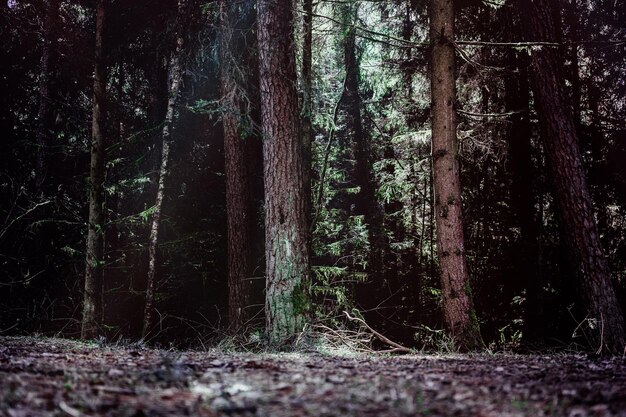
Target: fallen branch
(353, 340)
(71, 411)
(397, 348)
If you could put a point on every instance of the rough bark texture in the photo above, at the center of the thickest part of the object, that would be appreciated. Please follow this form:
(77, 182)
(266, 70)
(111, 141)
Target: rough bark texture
(45, 113)
(175, 78)
(94, 268)
(241, 147)
(286, 225)
(457, 298)
(560, 142)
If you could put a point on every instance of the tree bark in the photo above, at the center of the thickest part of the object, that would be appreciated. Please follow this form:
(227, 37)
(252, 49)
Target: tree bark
(561, 145)
(286, 225)
(457, 298)
(240, 147)
(94, 268)
(175, 79)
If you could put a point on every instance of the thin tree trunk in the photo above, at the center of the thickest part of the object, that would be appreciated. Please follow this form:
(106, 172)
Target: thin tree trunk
(94, 268)
(457, 298)
(307, 100)
(286, 224)
(517, 99)
(175, 79)
(366, 202)
(45, 114)
(564, 158)
(239, 152)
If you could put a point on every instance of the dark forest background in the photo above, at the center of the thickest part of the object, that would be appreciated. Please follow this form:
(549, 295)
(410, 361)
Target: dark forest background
(522, 284)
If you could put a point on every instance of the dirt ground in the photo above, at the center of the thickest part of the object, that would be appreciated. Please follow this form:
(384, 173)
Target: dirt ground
(54, 377)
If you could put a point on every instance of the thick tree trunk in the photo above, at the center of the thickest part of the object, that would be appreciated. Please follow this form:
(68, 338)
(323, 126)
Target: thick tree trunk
(94, 268)
(457, 297)
(175, 79)
(45, 113)
(564, 158)
(286, 226)
(240, 154)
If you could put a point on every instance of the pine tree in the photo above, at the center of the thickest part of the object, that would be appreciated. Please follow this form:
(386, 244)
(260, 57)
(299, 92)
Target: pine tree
(94, 265)
(457, 297)
(558, 132)
(286, 226)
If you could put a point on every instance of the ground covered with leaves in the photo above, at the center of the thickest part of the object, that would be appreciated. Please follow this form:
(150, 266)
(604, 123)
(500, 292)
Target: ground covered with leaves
(54, 377)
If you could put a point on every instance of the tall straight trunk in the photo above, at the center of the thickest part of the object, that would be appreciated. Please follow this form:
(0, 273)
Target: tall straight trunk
(240, 153)
(560, 141)
(366, 202)
(94, 265)
(287, 301)
(517, 99)
(457, 297)
(175, 78)
(45, 113)
(307, 101)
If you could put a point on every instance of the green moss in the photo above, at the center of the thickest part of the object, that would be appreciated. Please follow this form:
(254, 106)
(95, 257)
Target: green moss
(300, 300)
(467, 289)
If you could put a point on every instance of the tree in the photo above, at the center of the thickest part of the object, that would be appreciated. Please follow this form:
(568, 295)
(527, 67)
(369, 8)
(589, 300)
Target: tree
(241, 150)
(47, 80)
(94, 265)
(307, 100)
(517, 101)
(560, 141)
(175, 80)
(286, 225)
(457, 298)
(365, 202)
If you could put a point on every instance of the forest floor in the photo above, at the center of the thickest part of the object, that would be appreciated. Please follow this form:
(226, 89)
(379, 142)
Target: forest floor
(55, 377)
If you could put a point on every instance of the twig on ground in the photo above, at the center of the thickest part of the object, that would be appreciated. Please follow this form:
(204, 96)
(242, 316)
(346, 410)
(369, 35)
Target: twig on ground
(358, 341)
(397, 348)
(70, 410)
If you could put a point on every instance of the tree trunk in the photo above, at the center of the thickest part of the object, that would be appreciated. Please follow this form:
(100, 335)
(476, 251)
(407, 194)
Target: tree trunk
(175, 79)
(45, 113)
(286, 226)
(240, 148)
(517, 99)
(307, 100)
(560, 141)
(92, 302)
(366, 202)
(457, 298)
